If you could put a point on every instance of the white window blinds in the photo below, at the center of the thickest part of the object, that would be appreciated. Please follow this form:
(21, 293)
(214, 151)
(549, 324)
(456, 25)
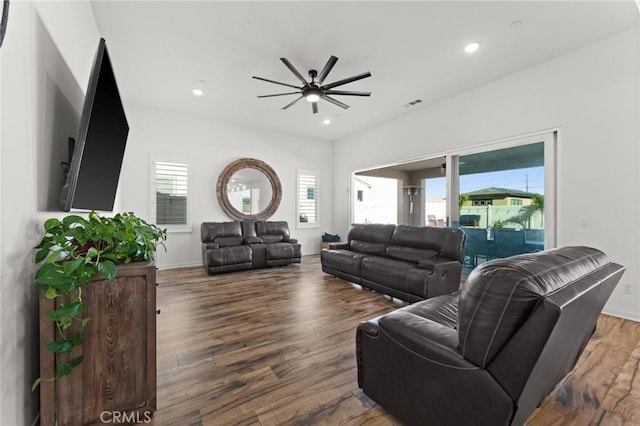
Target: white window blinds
(171, 193)
(307, 199)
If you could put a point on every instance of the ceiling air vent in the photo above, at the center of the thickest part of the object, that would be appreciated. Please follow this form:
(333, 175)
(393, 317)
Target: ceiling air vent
(412, 103)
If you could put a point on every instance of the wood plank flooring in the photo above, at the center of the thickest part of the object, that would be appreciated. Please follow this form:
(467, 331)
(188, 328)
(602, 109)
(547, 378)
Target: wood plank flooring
(277, 347)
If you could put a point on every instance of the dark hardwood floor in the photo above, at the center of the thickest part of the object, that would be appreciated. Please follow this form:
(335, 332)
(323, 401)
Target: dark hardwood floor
(277, 347)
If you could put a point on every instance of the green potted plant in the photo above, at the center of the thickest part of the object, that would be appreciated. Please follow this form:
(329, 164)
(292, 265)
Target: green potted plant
(72, 251)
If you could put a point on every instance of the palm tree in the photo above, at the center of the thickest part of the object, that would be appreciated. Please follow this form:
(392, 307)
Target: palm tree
(523, 218)
(537, 205)
(462, 198)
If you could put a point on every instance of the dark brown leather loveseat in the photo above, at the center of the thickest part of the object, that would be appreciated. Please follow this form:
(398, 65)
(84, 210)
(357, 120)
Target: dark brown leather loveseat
(249, 244)
(489, 354)
(408, 262)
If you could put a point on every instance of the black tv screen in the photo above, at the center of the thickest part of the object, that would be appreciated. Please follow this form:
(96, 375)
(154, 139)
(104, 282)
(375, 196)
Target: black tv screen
(94, 170)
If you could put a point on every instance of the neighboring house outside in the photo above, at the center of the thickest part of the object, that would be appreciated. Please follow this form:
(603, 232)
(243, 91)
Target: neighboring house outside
(498, 197)
(497, 207)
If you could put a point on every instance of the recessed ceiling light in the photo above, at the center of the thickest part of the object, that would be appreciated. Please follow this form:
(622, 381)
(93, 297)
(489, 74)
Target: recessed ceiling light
(472, 47)
(326, 121)
(198, 92)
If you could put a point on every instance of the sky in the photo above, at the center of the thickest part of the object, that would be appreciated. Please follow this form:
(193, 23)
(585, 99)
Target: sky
(531, 179)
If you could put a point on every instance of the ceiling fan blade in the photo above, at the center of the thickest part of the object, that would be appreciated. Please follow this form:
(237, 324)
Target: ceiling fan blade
(276, 82)
(314, 107)
(294, 70)
(279, 94)
(346, 80)
(346, 93)
(291, 103)
(334, 101)
(327, 69)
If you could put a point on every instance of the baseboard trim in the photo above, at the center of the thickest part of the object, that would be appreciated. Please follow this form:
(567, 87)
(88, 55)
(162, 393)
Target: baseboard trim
(179, 265)
(191, 265)
(633, 316)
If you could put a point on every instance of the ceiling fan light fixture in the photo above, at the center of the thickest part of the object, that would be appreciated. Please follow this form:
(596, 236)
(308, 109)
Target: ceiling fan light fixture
(313, 95)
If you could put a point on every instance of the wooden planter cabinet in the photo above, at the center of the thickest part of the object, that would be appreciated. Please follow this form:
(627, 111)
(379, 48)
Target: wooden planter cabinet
(116, 382)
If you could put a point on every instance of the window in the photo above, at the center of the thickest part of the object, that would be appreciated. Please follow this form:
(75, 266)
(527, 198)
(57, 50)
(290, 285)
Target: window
(307, 199)
(482, 202)
(170, 195)
(521, 172)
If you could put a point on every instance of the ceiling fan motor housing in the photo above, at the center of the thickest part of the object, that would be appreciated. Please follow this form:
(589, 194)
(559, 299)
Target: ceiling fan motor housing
(310, 90)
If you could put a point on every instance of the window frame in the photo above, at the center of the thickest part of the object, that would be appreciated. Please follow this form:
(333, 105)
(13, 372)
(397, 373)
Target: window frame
(171, 228)
(317, 198)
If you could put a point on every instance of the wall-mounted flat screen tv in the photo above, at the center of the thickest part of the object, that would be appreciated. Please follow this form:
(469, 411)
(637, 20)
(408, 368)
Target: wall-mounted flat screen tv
(94, 170)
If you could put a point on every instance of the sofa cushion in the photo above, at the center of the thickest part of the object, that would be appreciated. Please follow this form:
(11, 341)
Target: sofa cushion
(229, 255)
(410, 254)
(279, 251)
(442, 309)
(370, 238)
(229, 241)
(268, 239)
(372, 233)
(280, 228)
(249, 228)
(395, 274)
(209, 231)
(345, 261)
(446, 241)
(499, 295)
(368, 247)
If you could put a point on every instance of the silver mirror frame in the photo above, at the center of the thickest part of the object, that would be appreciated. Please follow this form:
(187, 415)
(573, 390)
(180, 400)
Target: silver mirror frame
(225, 178)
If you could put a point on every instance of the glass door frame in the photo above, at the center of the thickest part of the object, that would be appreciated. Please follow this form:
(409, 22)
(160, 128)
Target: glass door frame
(550, 140)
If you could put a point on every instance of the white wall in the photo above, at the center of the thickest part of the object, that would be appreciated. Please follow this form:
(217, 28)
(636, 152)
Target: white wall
(209, 146)
(48, 49)
(591, 95)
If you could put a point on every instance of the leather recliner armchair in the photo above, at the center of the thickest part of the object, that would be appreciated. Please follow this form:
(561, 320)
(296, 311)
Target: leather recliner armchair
(490, 353)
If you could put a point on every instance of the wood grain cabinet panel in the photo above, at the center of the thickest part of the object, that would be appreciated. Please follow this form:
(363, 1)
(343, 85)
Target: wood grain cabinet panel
(118, 374)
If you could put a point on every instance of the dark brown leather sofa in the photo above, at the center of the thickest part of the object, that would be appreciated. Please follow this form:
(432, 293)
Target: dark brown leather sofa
(408, 262)
(489, 354)
(241, 245)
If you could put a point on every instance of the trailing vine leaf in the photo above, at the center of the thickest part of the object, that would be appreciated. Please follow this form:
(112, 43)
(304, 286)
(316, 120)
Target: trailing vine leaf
(108, 268)
(71, 252)
(51, 293)
(36, 383)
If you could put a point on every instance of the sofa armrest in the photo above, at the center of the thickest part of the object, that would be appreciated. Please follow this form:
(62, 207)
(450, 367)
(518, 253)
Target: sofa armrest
(425, 338)
(438, 264)
(431, 342)
(291, 240)
(253, 240)
(338, 246)
(207, 246)
(444, 277)
(408, 353)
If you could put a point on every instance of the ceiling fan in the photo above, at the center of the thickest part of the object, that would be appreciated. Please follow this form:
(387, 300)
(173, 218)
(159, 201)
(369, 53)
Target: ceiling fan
(314, 90)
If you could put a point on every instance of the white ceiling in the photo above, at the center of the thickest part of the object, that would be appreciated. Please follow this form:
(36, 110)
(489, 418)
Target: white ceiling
(160, 49)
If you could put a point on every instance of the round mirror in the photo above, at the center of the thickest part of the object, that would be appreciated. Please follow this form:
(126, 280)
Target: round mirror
(249, 189)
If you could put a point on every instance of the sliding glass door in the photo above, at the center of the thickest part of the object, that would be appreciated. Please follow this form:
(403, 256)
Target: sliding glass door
(506, 199)
(502, 195)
